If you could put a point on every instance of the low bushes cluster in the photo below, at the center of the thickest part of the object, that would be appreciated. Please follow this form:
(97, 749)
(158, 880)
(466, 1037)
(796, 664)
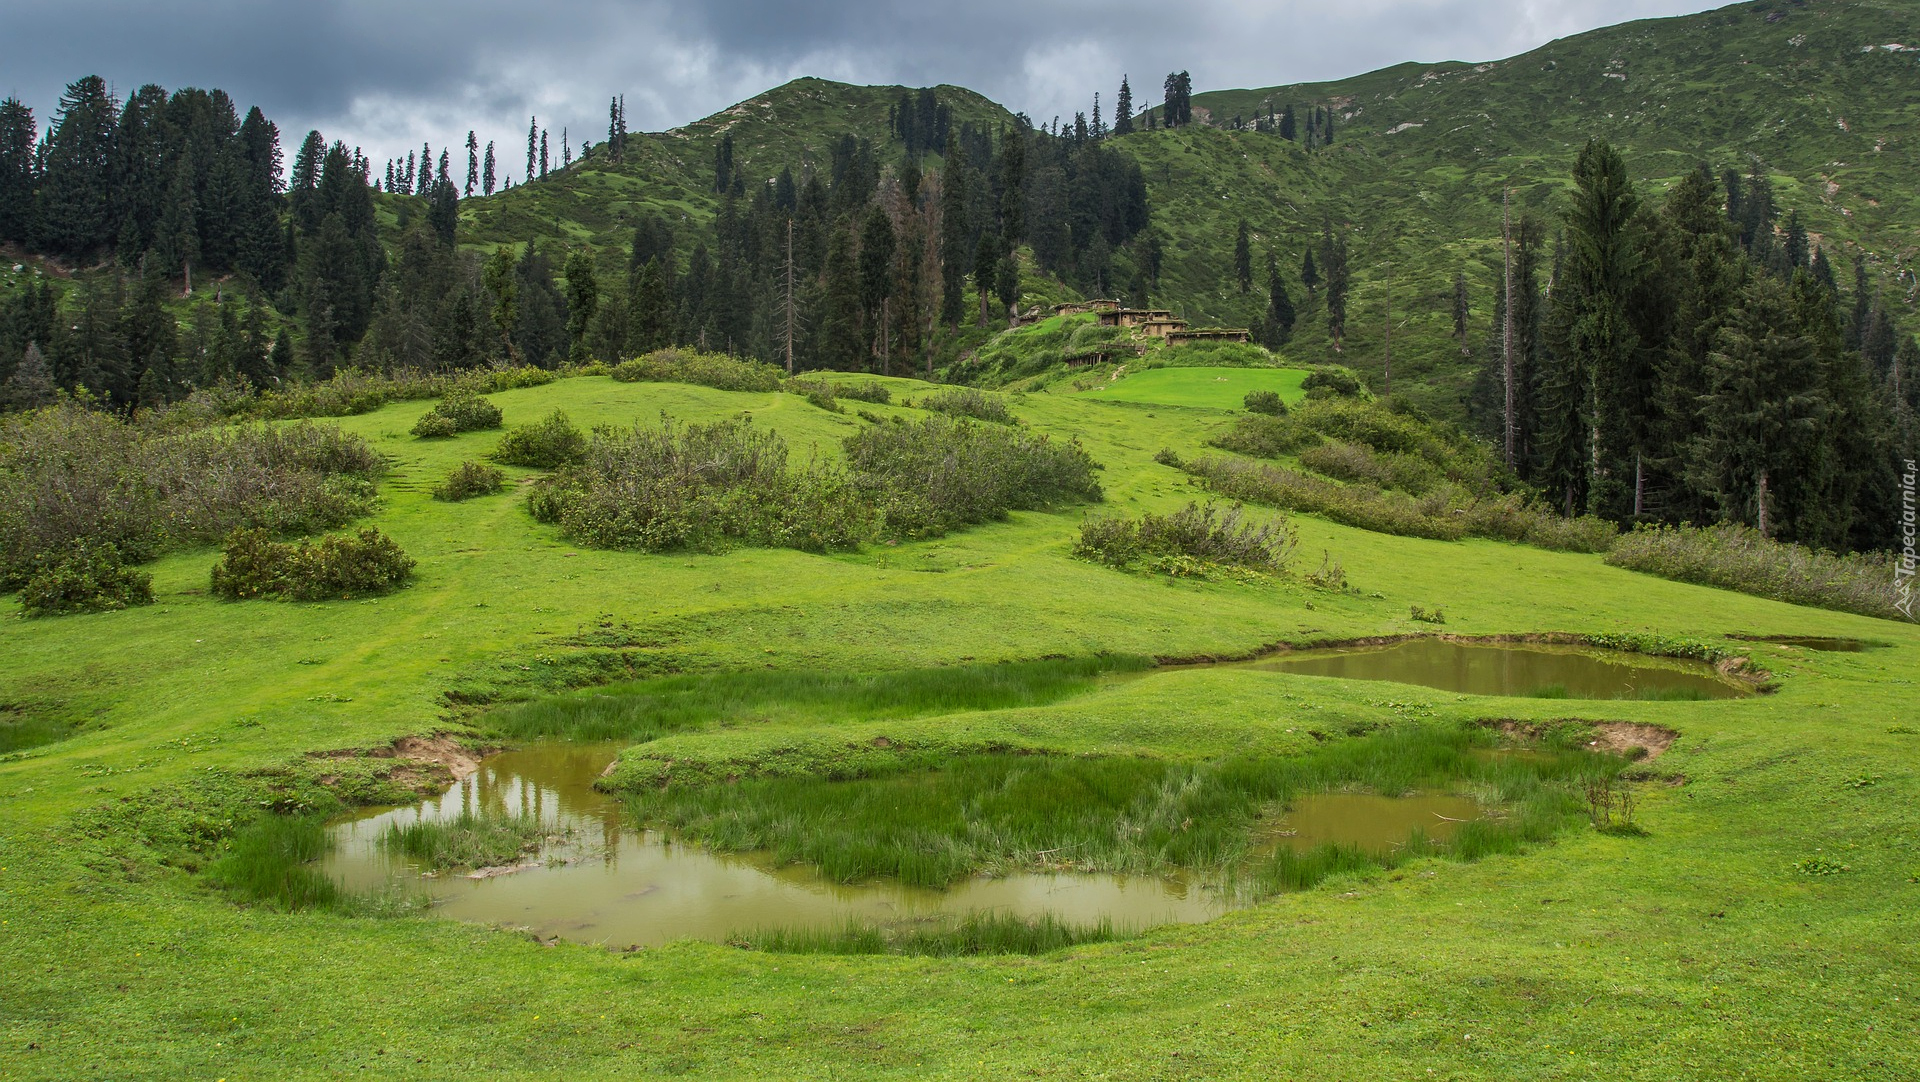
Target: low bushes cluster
(936, 474)
(89, 578)
(469, 479)
(469, 840)
(1334, 381)
(1734, 557)
(1379, 443)
(969, 402)
(1356, 462)
(870, 391)
(338, 567)
(1266, 402)
(460, 410)
(817, 391)
(716, 370)
(349, 392)
(973, 934)
(1447, 513)
(546, 444)
(703, 487)
(71, 476)
(1193, 538)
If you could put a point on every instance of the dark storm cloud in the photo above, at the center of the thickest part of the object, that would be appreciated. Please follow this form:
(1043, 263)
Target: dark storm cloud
(388, 75)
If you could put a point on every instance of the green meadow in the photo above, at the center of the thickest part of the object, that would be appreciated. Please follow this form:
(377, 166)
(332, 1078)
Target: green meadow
(1210, 388)
(1756, 925)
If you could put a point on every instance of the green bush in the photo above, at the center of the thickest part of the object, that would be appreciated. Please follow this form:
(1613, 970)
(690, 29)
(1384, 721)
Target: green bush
(546, 444)
(1267, 402)
(968, 402)
(817, 391)
(70, 475)
(1735, 557)
(91, 578)
(460, 410)
(1357, 462)
(1206, 536)
(705, 488)
(934, 475)
(435, 426)
(715, 370)
(1334, 381)
(339, 567)
(870, 391)
(469, 479)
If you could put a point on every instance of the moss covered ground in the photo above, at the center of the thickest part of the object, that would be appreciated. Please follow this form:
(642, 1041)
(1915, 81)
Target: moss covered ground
(1760, 929)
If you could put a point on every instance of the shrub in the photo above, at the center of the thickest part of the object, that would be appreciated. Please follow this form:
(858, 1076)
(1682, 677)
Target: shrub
(1167, 456)
(1426, 616)
(818, 392)
(546, 444)
(339, 567)
(70, 476)
(1267, 402)
(1334, 381)
(460, 410)
(469, 479)
(936, 474)
(91, 578)
(714, 370)
(1735, 557)
(1351, 505)
(435, 426)
(968, 402)
(870, 391)
(1206, 536)
(704, 487)
(1344, 461)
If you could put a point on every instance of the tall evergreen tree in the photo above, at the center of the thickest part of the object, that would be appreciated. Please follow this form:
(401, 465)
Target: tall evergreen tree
(1594, 334)
(955, 256)
(1333, 258)
(75, 196)
(1243, 257)
(583, 301)
(473, 164)
(1123, 109)
(18, 172)
(533, 146)
(1279, 319)
(487, 173)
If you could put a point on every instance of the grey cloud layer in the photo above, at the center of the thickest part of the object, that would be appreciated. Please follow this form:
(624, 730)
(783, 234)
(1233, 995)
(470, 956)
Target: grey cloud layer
(387, 75)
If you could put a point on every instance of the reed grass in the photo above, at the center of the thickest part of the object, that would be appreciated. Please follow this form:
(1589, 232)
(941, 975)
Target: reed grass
(468, 840)
(973, 934)
(648, 709)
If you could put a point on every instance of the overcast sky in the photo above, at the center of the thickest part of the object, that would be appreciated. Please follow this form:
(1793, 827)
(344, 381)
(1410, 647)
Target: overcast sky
(387, 75)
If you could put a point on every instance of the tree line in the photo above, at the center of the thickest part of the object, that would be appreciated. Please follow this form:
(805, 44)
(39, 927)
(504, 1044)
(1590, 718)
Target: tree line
(1697, 361)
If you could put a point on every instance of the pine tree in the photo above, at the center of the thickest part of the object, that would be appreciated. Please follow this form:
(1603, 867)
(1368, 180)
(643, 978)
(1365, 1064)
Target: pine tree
(986, 257)
(583, 301)
(487, 171)
(1123, 109)
(1006, 280)
(1333, 257)
(877, 245)
(544, 159)
(31, 385)
(566, 150)
(723, 163)
(75, 197)
(176, 240)
(1462, 310)
(18, 173)
(1243, 257)
(497, 278)
(954, 233)
(1279, 319)
(1289, 126)
(443, 210)
(1595, 333)
(473, 165)
(1309, 274)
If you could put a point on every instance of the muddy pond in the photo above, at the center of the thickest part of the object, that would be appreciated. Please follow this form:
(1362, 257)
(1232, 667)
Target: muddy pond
(608, 882)
(1539, 671)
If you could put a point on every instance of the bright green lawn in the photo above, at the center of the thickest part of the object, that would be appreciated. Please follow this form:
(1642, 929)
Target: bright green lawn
(1699, 951)
(1210, 388)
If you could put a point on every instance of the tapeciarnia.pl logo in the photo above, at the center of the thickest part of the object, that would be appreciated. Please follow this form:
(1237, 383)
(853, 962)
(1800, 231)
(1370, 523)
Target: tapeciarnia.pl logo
(1903, 568)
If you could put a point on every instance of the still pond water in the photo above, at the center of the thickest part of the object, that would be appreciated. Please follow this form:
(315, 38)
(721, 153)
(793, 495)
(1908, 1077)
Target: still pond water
(1524, 670)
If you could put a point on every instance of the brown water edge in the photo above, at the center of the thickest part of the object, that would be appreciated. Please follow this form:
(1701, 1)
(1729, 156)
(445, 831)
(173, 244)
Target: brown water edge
(611, 883)
(1508, 669)
(1812, 642)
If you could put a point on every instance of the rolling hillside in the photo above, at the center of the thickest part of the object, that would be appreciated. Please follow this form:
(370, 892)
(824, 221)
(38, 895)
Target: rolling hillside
(1825, 94)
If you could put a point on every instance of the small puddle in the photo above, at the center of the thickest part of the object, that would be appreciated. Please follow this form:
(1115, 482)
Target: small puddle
(1833, 646)
(1377, 824)
(612, 883)
(1558, 672)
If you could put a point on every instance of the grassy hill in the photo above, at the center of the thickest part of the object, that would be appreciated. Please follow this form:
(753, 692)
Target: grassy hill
(1766, 898)
(1421, 155)
(1422, 151)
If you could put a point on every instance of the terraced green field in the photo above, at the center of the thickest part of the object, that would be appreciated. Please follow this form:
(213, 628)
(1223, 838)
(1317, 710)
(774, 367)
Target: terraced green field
(1759, 929)
(1210, 388)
